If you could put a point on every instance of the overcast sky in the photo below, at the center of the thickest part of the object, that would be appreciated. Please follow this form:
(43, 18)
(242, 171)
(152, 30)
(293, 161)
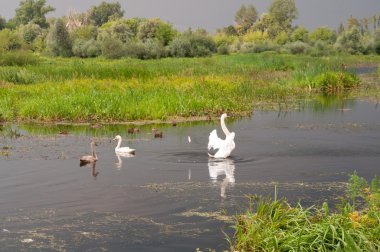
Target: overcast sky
(213, 14)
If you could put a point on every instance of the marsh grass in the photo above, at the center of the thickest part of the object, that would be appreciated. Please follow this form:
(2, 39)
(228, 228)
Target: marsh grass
(78, 90)
(18, 58)
(275, 225)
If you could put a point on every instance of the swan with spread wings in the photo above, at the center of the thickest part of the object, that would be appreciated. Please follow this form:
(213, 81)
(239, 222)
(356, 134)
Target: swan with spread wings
(223, 147)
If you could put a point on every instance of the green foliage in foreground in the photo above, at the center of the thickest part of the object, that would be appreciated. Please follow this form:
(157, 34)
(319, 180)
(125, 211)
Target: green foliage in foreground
(78, 90)
(274, 225)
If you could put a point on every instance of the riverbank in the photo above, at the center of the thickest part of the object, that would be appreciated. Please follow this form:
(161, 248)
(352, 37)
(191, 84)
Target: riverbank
(130, 90)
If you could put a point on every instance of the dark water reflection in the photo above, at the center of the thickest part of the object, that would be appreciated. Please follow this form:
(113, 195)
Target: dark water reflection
(170, 196)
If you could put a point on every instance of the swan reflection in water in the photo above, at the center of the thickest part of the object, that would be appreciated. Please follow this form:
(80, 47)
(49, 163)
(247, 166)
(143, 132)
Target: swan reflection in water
(220, 167)
(92, 165)
(120, 157)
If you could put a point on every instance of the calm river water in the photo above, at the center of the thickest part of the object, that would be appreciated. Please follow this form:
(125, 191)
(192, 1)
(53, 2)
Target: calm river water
(170, 196)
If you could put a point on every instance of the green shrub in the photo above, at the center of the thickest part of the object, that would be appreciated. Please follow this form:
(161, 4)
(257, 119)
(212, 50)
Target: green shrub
(223, 49)
(258, 47)
(377, 47)
(86, 48)
(153, 49)
(113, 49)
(192, 45)
(297, 47)
(180, 47)
(201, 45)
(321, 48)
(135, 50)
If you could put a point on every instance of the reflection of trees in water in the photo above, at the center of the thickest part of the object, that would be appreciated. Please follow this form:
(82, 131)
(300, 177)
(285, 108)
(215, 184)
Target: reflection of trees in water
(120, 157)
(101, 129)
(326, 103)
(319, 104)
(225, 167)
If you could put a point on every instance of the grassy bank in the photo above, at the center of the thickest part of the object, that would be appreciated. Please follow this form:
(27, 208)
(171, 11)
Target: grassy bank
(275, 225)
(78, 90)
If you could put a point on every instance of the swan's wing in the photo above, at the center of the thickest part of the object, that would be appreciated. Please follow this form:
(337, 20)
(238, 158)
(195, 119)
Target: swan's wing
(125, 150)
(226, 147)
(214, 141)
(230, 143)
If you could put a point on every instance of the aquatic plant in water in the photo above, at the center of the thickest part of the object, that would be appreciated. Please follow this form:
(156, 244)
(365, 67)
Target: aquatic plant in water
(275, 225)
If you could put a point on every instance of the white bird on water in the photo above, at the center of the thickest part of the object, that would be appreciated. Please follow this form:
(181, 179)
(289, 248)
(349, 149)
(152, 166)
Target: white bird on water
(223, 147)
(89, 158)
(122, 150)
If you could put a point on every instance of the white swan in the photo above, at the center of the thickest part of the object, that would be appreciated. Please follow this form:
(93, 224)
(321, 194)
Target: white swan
(122, 150)
(89, 158)
(224, 147)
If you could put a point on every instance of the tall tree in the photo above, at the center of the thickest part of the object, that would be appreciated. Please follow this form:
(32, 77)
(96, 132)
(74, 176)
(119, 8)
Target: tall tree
(374, 22)
(59, 41)
(33, 11)
(353, 22)
(156, 29)
(341, 29)
(283, 12)
(104, 12)
(323, 34)
(3, 23)
(245, 17)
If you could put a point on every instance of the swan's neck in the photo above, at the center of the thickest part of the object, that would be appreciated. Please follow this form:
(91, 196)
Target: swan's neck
(118, 143)
(93, 151)
(224, 128)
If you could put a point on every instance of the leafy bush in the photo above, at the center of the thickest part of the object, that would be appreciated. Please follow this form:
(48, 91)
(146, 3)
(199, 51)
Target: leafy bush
(113, 49)
(86, 48)
(153, 49)
(223, 49)
(223, 39)
(321, 48)
(349, 41)
(180, 47)
(135, 50)
(192, 44)
(377, 47)
(258, 47)
(9, 40)
(85, 32)
(201, 45)
(297, 47)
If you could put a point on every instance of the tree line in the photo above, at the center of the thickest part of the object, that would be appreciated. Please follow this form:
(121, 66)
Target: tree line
(102, 30)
